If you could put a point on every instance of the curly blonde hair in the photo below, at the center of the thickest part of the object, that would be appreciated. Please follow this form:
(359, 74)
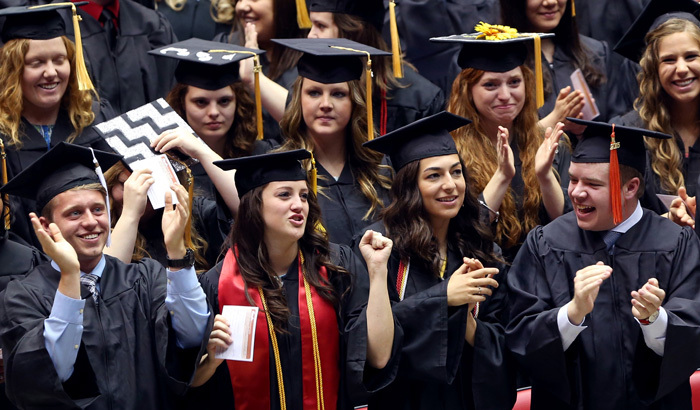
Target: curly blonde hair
(653, 106)
(479, 154)
(78, 103)
(365, 163)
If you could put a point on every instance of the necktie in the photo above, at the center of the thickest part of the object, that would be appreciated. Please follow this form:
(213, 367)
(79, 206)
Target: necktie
(90, 281)
(610, 238)
(107, 19)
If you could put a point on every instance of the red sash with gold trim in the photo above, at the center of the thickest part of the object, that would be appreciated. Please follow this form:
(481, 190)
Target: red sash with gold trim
(251, 380)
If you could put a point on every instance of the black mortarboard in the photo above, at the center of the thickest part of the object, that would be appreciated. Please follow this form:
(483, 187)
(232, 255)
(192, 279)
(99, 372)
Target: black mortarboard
(425, 138)
(64, 167)
(34, 23)
(330, 60)
(616, 145)
(633, 43)
(498, 49)
(370, 11)
(595, 145)
(258, 170)
(206, 64)
(44, 22)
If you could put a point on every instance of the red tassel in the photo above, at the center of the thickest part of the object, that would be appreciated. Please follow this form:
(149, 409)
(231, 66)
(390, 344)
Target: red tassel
(615, 190)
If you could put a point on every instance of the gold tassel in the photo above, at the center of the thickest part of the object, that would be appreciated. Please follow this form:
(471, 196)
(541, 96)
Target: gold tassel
(573, 8)
(538, 72)
(395, 42)
(314, 175)
(5, 197)
(257, 68)
(370, 114)
(81, 74)
(303, 19)
(190, 199)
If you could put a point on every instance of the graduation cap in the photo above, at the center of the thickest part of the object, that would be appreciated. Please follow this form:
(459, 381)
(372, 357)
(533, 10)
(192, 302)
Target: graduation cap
(614, 144)
(212, 65)
(44, 22)
(258, 170)
(63, 167)
(335, 60)
(425, 138)
(498, 49)
(369, 11)
(657, 12)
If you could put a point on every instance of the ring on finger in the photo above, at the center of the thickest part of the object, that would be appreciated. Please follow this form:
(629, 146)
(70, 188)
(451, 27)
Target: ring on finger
(478, 290)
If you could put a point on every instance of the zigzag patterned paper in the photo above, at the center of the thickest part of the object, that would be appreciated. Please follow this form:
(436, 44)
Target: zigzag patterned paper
(131, 134)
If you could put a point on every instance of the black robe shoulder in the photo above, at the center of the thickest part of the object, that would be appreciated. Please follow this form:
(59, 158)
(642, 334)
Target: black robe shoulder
(127, 357)
(608, 366)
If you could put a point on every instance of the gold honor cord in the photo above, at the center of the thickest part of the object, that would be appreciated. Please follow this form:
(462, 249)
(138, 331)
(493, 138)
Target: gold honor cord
(314, 336)
(443, 266)
(81, 74)
(5, 197)
(368, 82)
(276, 351)
(573, 8)
(395, 41)
(320, 404)
(257, 69)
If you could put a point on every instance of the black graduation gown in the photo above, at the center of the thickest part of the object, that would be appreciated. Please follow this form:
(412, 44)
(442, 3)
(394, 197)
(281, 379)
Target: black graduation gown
(194, 20)
(33, 147)
(17, 259)
(127, 359)
(562, 66)
(128, 76)
(437, 62)
(437, 368)
(415, 98)
(343, 205)
(608, 366)
(652, 186)
(352, 325)
(561, 163)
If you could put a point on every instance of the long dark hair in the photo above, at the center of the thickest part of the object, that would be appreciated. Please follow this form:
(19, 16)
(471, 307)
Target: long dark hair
(240, 138)
(247, 235)
(409, 227)
(513, 13)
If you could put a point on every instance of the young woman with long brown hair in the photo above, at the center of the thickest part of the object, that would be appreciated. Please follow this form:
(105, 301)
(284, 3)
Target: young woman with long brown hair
(313, 300)
(328, 116)
(449, 306)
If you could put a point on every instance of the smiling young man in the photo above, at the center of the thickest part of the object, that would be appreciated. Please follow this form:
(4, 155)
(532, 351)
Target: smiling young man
(605, 301)
(86, 330)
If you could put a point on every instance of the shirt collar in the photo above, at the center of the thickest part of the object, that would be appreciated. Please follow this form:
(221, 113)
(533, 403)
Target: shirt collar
(99, 268)
(628, 223)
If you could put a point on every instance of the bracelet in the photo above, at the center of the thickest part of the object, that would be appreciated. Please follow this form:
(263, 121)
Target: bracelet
(490, 210)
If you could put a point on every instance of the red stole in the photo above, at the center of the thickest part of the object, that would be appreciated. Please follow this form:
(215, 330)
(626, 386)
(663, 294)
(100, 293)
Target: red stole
(251, 380)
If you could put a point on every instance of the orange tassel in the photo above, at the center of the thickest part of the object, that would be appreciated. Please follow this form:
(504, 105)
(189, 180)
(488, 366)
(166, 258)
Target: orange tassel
(573, 8)
(395, 42)
(370, 113)
(257, 68)
(615, 190)
(539, 88)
